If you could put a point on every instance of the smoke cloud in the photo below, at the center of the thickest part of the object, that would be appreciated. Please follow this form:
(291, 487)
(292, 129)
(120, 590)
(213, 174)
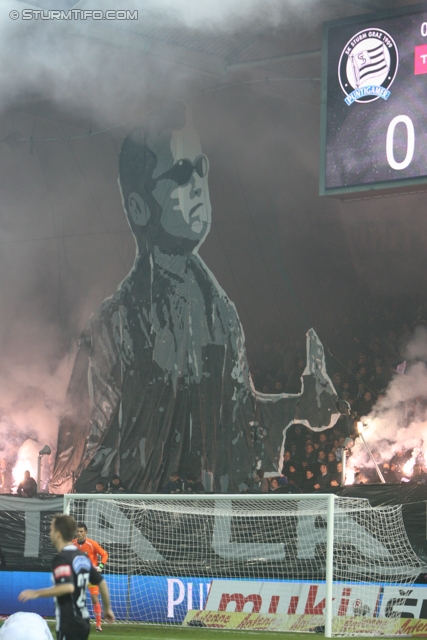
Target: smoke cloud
(398, 421)
(60, 214)
(111, 71)
(64, 241)
(31, 401)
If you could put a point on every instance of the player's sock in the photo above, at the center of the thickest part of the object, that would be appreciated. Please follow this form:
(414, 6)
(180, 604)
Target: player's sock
(97, 611)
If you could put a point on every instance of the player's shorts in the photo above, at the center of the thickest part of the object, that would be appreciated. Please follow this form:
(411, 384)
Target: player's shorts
(93, 589)
(73, 633)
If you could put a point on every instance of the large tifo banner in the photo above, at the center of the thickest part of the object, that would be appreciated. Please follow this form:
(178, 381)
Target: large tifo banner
(24, 532)
(161, 381)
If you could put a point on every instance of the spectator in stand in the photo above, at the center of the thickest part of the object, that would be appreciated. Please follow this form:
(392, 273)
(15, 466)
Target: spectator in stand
(174, 485)
(278, 387)
(360, 391)
(379, 380)
(307, 485)
(294, 475)
(295, 452)
(192, 485)
(28, 487)
(363, 406)
(323, 480)
(287, 461)
(100, 487)
(360, 478)
(336, 477)
(324, 444)
(419, 476)
(363, 376)
(335, 445)
(338, 453)
(395, 471)
(322, 458)
(346, 393)
(260, 482)
(388, 475)
(295, 435)
(309, 457)
(336, 379)
(361, 362)
(117, 486)
(332, 462)
(275, 487)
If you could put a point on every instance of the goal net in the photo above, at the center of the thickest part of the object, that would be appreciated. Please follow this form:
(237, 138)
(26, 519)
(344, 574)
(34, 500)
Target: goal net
(304, 562)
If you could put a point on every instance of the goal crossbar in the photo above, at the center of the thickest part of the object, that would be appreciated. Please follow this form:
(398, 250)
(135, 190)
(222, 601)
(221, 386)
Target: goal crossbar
(343, 545)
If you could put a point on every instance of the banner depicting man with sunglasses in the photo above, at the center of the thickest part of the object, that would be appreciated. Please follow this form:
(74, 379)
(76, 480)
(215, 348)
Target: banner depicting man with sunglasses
(161, 381)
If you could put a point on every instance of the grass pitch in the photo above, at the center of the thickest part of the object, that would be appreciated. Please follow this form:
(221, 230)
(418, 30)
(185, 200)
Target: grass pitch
(175, 632)
(172, 632)
(160, 632)
(151, 632)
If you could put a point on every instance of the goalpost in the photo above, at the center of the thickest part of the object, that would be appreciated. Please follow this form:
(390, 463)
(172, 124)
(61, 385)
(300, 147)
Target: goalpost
(291, 561)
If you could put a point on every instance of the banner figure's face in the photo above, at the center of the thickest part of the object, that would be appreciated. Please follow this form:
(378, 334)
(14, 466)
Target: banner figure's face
(182, 184)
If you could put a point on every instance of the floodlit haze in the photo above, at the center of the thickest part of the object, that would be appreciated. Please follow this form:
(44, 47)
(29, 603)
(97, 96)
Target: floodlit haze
(287, 258)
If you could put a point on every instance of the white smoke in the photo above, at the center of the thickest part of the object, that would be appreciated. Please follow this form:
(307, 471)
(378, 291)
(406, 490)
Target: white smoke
(111, 68)
(398, 421)
(224, 14)
(31, 402)
(26, 460)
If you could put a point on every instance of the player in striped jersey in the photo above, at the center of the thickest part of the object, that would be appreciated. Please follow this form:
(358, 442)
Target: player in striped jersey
(94, 552)
(72, 570)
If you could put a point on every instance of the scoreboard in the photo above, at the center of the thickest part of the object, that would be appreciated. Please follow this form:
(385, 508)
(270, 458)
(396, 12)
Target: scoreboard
(374, 104)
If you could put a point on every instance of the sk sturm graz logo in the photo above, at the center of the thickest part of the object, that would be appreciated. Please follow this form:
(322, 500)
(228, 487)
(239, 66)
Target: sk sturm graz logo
(368, 66)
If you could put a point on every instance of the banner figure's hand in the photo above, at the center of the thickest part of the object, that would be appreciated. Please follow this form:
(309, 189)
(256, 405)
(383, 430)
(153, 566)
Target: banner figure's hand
(317, 405)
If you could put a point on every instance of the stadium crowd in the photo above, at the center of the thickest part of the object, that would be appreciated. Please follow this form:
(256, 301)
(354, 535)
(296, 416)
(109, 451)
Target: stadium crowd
(363, 353)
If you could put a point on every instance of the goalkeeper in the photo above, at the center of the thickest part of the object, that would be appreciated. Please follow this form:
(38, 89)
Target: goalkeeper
(94, 551)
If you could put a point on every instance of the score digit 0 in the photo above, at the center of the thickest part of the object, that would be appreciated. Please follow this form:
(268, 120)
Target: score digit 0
(410, 145)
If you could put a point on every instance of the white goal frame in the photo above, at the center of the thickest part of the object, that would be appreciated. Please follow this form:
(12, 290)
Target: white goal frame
(329, 499)
(328, 513)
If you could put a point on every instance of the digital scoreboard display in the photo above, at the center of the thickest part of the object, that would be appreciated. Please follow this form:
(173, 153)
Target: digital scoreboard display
(374, 104)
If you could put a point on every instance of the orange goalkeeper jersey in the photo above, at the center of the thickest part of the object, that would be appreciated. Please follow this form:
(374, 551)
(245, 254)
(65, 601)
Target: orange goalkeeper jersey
(92, 549)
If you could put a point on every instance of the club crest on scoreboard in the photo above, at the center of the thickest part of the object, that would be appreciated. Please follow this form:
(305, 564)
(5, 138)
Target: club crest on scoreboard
(368, 66)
